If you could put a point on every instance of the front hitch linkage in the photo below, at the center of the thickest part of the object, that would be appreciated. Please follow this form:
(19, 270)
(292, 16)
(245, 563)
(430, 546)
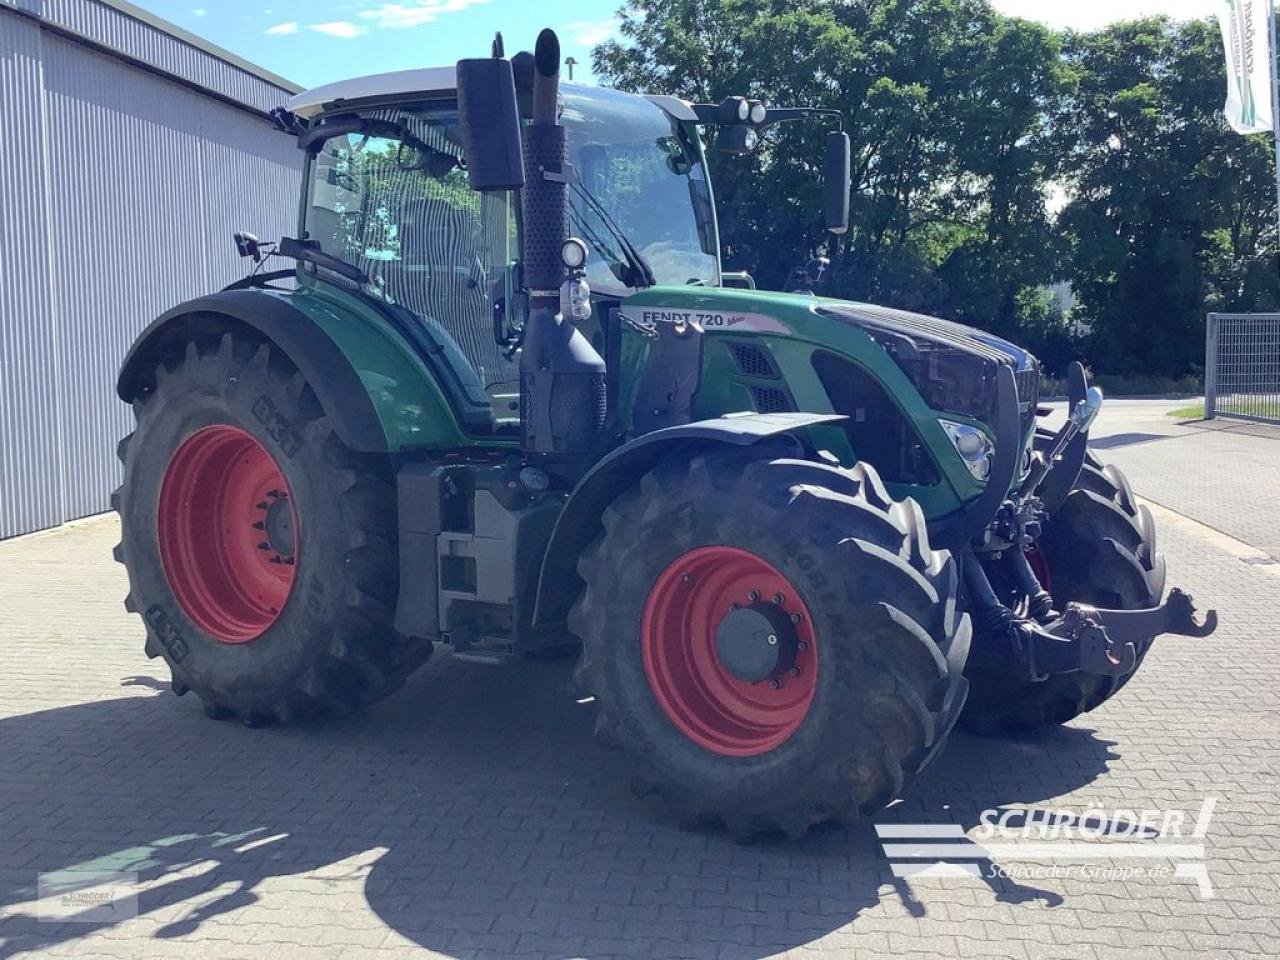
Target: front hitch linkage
(1081, 638)
(1105, 642)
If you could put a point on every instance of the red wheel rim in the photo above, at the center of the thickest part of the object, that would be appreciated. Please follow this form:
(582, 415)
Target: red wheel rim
(228, 530)
(711, 706)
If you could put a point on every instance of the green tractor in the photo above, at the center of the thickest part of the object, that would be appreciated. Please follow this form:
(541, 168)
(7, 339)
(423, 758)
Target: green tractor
(505, 401)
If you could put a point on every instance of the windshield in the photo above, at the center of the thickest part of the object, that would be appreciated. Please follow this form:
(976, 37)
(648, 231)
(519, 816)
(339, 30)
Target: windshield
(647, 174)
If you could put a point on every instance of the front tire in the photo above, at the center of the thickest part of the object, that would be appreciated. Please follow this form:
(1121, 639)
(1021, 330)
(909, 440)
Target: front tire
(260, 549)
(869, 678)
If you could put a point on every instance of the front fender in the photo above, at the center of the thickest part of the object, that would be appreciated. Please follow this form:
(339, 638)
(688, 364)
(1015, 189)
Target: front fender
(579, 521)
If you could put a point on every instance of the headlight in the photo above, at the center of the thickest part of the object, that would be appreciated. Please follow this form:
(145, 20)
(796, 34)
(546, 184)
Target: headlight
(975, 447)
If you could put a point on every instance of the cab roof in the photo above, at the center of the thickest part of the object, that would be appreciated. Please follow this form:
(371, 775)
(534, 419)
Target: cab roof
(428, 80)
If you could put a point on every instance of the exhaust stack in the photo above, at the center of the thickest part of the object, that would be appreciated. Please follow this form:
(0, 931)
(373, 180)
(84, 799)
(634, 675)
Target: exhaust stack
(562, 377)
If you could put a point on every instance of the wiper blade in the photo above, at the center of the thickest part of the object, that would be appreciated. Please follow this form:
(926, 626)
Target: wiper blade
(635, 260)
(310, 252)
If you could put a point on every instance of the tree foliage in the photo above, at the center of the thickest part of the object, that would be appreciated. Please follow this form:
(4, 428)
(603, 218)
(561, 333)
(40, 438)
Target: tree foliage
(965, 125)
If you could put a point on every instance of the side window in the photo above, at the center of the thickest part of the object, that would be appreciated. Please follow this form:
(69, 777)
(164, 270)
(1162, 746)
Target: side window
(394, 200)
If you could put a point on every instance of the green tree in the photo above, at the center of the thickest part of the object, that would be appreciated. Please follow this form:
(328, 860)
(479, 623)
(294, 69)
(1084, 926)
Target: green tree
(962, 123)
(944, 102)
(1172, 214)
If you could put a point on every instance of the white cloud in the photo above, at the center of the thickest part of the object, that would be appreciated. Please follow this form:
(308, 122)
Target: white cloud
(1095, 14)
(589, 33)
(281, 29)
(199, 12)
(413, 13)
(343, 29)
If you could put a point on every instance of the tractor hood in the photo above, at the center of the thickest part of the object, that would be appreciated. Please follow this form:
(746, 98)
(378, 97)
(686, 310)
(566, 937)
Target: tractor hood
(801, 315)
(902, 322)
(951, 367)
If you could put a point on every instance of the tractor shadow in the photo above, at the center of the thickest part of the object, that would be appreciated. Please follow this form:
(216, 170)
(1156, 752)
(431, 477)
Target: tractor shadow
(477, 808)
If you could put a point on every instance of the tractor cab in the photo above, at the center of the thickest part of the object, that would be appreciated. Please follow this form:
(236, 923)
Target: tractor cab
(386, 191)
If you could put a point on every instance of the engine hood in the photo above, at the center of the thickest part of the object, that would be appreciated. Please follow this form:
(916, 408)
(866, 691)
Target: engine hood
(931, 328)
(721, 310)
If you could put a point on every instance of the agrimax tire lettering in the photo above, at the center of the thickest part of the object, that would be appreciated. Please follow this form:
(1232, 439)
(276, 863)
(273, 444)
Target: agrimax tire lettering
(808, 564)
(277, 426)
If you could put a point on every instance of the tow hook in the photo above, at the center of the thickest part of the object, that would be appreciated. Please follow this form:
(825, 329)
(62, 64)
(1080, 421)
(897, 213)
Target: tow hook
(1105, 642)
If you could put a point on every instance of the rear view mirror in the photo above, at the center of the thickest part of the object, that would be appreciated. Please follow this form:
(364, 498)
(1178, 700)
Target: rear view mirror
(490, 124)
(835, 182)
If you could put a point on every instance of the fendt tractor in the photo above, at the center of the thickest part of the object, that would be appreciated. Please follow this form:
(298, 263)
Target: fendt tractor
(504, 401)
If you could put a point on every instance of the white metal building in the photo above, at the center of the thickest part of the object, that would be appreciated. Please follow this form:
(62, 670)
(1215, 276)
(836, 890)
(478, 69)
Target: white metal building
(130, 151)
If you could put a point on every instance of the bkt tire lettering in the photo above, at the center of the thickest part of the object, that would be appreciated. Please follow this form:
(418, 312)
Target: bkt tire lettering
(277, 426)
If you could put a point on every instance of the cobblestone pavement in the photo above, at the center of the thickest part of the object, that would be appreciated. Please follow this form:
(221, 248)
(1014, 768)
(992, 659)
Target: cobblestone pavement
(472, 816)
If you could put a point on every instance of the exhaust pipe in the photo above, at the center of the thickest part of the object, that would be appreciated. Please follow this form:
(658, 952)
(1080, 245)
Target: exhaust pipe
(562, 377)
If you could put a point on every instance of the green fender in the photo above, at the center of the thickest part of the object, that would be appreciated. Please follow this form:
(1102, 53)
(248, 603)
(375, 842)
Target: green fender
(379, 390)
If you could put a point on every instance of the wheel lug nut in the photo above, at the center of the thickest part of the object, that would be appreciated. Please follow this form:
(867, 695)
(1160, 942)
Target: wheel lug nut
(773, 640)
(779, 599)
(795, 618)
(264, 546)
(776, 683)
(753, 596)
(802, 645)
(795, 671)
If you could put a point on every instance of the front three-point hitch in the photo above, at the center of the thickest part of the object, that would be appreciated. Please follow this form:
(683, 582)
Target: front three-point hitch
(1041, 640)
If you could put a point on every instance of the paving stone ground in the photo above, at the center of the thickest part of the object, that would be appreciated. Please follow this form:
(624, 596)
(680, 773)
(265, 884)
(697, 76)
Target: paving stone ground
(471, 816)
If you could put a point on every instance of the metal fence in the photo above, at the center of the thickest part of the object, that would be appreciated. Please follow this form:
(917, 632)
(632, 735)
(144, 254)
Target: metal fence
(1242, 366)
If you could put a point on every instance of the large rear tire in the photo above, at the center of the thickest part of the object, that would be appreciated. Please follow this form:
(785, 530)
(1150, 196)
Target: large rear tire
(261, 551)
(869, 679)
(1098, 548)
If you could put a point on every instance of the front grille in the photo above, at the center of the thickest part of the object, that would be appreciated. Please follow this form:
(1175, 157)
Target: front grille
(771, 400)
(1028, 382)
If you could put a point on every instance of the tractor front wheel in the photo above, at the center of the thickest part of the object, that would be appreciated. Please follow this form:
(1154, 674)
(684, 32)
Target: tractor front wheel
(772, 640)
(260, 549)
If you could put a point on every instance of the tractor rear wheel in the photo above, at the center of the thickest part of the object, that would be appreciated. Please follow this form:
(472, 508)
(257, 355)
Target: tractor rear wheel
(772, 640)
(260, 549)
(1098, 548)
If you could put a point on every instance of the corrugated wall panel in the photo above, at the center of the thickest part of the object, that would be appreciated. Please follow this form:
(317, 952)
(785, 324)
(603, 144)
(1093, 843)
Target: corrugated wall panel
(261, 197)
(144, 221)
(29, 473)
(109, 26)
(119, 206)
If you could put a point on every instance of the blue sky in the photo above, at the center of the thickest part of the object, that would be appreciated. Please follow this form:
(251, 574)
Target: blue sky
(316, 41)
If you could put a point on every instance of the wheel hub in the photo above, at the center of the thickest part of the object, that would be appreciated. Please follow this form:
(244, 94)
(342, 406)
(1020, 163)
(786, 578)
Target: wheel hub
(279, 525)
(757, 642)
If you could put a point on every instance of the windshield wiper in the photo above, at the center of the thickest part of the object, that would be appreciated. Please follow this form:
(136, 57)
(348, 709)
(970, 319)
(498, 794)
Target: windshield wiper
(641, 274)
(310, 252)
